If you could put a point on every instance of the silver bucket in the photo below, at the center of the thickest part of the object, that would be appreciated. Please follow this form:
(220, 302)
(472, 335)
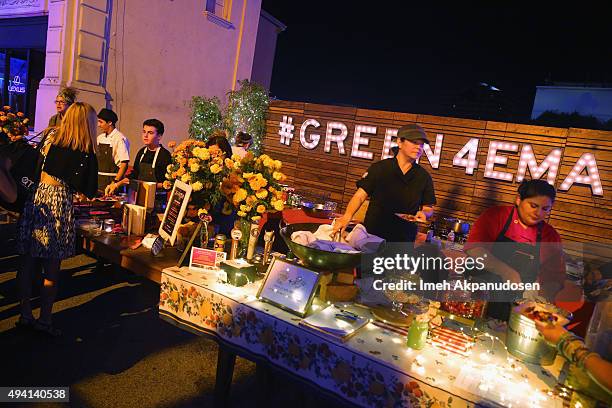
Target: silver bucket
(525, 342)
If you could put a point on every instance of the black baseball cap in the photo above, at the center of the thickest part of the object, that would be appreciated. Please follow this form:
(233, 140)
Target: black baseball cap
(108, 115)
(411, 132)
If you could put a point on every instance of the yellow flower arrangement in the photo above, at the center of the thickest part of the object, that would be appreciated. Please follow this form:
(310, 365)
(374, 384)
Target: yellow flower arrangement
(204, 168)
(14, 126)
(252, 186)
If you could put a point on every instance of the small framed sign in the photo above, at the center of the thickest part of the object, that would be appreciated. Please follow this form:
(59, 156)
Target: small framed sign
(177, 205)
(205, 259)
(290, 287)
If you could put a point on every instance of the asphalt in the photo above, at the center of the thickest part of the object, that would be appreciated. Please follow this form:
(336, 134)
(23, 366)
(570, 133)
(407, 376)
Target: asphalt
(115, 351)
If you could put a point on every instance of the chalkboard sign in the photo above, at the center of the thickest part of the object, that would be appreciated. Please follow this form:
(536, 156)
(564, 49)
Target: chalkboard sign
(175, 211)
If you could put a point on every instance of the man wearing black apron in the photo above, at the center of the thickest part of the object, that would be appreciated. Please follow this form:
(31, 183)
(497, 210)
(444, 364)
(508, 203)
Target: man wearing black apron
(113, 150)
(510, 240)
(151, 161)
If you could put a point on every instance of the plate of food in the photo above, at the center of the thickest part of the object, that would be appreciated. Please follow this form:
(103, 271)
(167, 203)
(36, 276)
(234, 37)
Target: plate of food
(411, 218)
(543, 314)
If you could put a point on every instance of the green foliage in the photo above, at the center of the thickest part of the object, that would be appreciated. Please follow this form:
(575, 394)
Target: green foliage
(246, 112)
(205, 117)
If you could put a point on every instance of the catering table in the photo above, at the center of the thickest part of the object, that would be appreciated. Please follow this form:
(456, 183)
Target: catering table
(374, 368)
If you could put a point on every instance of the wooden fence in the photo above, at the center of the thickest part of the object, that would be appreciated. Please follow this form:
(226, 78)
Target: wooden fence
(578, 214)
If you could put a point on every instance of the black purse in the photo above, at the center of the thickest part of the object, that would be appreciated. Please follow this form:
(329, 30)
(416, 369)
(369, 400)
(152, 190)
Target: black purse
(25, 170)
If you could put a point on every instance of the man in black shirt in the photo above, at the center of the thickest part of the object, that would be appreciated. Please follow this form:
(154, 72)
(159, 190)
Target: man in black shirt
(395, 185)
(151, 161)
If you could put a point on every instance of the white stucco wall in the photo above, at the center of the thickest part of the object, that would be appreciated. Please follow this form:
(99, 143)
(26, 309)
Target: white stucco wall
(164, 52)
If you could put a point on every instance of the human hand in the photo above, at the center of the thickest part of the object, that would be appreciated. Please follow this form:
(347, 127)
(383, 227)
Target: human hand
(420, 216)
(552, 333)
(110, 189)
(340, 225)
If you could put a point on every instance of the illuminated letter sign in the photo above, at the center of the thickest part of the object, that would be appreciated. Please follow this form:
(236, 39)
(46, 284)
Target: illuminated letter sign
(493, 158)
(550, 163)
(314, 138)
(338, 139)
(359, 140)
(586, 161)
(388, 144)
(434, 157)
(470, 163)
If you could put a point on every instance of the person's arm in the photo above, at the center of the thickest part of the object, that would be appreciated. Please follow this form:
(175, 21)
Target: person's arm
(425, 213)
(123, 166)
(356, 201)
(598, 368)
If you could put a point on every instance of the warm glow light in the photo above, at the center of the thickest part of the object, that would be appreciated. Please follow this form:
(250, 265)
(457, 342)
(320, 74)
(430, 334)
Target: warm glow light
(493, 158)
(286, 130)
(388, 144)
(314, 138)
(358, 140)
(586, 161)
(528, 160)
(434, 157)
(338, 138)
(471, 149)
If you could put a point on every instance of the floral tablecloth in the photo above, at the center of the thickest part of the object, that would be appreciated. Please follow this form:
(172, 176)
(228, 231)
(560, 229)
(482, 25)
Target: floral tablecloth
(374, 368)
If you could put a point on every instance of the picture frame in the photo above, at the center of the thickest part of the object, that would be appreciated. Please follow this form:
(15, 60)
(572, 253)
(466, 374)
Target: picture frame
(175, 210)
(289, 286)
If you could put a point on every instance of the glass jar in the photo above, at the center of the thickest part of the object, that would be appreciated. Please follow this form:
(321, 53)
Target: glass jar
(417, 334)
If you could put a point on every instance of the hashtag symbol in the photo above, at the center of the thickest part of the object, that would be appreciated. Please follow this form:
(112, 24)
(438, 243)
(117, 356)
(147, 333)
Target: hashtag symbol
(286, 130)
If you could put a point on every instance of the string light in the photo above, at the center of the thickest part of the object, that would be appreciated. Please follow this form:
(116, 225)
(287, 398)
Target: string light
(246, 111)
(205, 117)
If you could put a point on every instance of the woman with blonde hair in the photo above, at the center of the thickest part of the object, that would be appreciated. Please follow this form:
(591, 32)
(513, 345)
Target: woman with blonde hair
(46, 233)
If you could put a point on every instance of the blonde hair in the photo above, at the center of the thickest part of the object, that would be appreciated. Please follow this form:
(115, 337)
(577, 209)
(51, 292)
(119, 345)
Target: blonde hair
(78, 128)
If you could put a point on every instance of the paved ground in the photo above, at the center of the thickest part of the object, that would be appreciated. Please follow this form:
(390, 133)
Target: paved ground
(115, 351)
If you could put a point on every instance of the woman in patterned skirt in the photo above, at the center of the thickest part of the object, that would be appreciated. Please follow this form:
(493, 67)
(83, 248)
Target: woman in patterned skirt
(46, 232)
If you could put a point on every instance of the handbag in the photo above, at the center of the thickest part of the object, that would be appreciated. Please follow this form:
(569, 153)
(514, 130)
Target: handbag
(25, 169)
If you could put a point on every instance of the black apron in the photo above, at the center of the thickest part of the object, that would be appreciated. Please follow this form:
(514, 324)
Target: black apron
(523, 257)
(107, 169)
(146, 171)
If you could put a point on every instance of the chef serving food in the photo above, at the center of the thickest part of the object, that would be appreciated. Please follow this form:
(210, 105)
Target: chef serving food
(518, 245)
(401, 192)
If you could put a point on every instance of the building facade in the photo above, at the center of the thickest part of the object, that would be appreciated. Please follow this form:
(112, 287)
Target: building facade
(143, 59)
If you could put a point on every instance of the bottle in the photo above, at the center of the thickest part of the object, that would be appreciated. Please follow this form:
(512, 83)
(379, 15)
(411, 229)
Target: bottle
(236, 235)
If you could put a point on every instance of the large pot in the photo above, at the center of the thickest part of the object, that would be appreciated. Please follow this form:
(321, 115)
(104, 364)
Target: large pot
(525, 342)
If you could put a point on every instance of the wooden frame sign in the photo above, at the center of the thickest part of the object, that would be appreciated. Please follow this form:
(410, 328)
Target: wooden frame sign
(177, 205)
(290, 287)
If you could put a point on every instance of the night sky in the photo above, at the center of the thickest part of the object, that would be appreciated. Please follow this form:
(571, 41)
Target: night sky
(420, 58)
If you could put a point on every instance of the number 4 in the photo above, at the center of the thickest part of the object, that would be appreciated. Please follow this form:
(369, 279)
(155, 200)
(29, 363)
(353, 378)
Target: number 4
(470, 164)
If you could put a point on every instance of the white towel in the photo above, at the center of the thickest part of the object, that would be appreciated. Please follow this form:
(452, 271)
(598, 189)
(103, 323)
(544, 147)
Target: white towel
(332, 246)
(303, 237)
(361, 240)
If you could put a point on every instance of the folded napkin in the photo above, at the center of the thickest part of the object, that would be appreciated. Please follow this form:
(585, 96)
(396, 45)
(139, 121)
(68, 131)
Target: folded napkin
(332, 246)
(303, 237)
(361, 240)
(324, 232)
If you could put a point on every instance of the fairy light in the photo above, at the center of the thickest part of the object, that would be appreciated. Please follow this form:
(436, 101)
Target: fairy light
(338, 139)
(359, 140)
(434, 157)
(527, 160)
(314, 138)
(388, 144)
(471, 149)
(493, 158)
(587, 161)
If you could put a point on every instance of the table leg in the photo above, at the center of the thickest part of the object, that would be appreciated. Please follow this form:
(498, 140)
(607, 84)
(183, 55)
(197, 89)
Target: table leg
(225, 370)
(263, 376)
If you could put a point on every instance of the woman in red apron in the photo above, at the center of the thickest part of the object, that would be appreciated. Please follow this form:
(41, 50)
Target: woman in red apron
(519, 246)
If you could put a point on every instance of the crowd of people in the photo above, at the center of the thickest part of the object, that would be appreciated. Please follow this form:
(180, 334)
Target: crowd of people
(76, 159)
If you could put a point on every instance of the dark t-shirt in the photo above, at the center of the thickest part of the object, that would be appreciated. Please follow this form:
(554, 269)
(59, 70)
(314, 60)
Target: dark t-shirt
(164, 158)
(392, 192)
